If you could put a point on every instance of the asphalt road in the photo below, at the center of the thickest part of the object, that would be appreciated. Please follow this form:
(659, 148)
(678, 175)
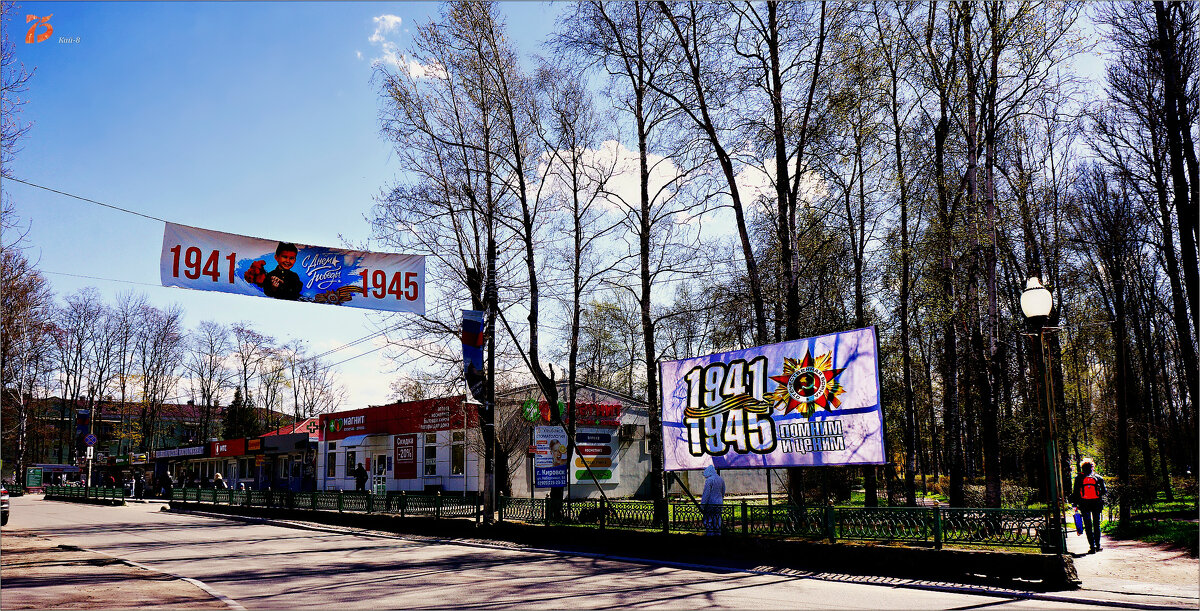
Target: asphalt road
(260, 566)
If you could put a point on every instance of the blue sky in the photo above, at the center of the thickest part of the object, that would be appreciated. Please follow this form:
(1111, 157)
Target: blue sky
(250, 118)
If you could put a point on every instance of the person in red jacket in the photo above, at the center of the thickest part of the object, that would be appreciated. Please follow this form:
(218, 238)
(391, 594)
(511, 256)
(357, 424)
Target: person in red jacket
(1088, 494)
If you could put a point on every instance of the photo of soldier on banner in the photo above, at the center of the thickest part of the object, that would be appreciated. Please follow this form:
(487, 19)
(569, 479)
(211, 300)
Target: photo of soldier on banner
(806, 402)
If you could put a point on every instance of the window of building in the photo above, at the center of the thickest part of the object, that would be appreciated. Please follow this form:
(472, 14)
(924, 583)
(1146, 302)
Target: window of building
(430, 453)
(458, 458)
(331, 464)
(351, 462)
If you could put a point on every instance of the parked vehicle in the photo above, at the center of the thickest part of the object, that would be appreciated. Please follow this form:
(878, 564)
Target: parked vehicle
(3, 506)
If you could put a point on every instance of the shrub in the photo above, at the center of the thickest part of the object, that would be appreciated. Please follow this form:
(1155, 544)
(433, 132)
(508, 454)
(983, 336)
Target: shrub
(1017, 496)
(974, 496)
(1185, 486)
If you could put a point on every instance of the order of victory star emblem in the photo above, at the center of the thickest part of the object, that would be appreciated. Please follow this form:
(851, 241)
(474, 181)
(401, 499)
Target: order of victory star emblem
(807, 384)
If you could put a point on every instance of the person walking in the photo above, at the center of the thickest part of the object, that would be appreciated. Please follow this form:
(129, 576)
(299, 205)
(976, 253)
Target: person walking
(219, 482)
(360, 478)
(1088, 493)
(712, 499)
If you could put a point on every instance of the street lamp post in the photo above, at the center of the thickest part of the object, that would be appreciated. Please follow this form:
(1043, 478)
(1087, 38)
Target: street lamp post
(1036, 303)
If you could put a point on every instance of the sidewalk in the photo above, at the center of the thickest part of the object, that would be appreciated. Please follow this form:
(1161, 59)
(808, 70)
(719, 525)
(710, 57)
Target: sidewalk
(38, 573)
(1131, 571)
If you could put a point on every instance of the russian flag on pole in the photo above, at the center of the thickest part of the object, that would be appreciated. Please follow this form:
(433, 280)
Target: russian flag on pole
(472, 341)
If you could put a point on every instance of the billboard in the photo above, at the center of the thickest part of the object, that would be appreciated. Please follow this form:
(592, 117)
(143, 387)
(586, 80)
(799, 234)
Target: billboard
(550, 457)
(806, 402)
(206, 260)
(599, 449)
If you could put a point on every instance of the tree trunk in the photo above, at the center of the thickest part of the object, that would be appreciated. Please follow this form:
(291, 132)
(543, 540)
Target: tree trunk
(1175, 107)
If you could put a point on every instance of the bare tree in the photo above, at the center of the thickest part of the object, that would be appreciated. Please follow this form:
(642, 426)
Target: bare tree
(126, 315)
(318, 391)
(705, 89)
(627, 40)
(272, 378)
(26, 352)
(249, 349)
(160, 342)
(208, 373)
(15, 82)
(73, 342)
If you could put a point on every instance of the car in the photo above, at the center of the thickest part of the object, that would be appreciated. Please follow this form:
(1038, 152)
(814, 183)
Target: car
(3, 506)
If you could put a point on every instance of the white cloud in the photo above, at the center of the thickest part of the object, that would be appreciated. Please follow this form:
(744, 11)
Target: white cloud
(389, 51)
(383, 25)
(418, 70)
(358, 54)
(623, 185)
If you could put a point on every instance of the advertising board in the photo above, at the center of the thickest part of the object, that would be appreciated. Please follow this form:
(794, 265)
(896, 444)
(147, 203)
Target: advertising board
(806, 402)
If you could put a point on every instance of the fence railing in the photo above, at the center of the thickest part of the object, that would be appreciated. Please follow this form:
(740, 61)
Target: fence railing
(935, 526)
(102, 493)
(402, 503)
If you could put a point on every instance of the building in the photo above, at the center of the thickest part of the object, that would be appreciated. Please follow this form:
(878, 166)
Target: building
(290, 457)
(610, 434)
(433, 445)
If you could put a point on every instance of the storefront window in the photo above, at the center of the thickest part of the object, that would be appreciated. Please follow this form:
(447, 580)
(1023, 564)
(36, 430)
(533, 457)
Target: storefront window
(331, 464)
(351, 462)
(458, 459)
(431, 454)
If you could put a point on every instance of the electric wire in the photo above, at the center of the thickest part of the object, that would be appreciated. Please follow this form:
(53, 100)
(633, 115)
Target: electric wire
(91, 201)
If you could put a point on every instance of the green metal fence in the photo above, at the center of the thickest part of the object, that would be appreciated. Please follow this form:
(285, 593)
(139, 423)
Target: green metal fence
(402, 503)
(934, 526)
(100, 493)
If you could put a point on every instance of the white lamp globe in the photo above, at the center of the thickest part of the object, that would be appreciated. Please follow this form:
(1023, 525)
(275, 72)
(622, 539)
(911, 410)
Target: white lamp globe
(1036, 300)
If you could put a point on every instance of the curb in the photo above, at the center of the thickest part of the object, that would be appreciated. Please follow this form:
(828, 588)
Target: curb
(948, 587)
(232, 604)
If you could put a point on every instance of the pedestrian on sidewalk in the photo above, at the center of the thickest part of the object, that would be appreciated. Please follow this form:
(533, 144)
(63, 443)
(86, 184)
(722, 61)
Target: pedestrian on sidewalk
(1088, 493)
(360, 478)
(712, 499)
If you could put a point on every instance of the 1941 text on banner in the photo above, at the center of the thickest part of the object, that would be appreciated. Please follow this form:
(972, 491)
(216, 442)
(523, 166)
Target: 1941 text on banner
(806, 402)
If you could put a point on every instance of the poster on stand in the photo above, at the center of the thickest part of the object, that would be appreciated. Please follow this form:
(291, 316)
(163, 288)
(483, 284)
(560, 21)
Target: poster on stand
(550, 457)
(206, 260)
(807, 402)
(596, 448)
(404, 461)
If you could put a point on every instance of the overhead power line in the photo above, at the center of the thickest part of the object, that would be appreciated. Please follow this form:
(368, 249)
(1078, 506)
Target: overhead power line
(90, 201)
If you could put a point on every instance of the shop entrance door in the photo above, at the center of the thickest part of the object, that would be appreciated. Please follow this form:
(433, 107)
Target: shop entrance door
(379, 474)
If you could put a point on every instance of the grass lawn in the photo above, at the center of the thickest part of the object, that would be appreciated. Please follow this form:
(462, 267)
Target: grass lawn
(1169, 522)
(1177, 534)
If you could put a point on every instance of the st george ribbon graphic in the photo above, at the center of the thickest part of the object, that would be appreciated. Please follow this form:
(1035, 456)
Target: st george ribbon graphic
(806, 402)
(207, 260)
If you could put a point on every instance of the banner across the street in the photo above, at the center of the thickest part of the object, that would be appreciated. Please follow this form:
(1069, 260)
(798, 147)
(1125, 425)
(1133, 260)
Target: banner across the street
(806, 402)
(208, 260)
